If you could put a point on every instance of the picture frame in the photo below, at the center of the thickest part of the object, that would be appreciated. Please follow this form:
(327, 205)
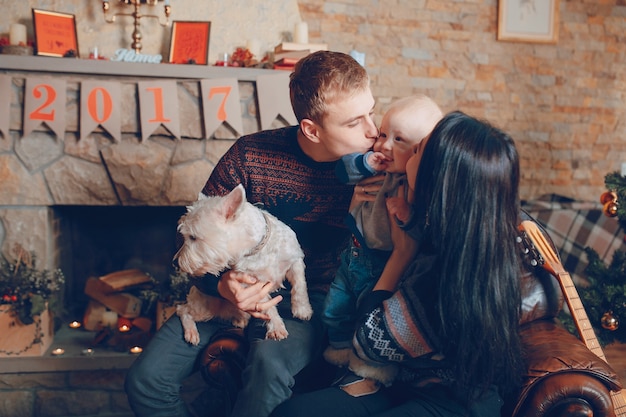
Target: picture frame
(535, 21)
(55, 33)
(189, 43)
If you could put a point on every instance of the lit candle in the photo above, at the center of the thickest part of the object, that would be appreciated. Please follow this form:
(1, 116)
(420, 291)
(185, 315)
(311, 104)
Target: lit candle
(17, 34)
(301, 33)
(136, 349)
(124, 328)
(58, 352)
(74, 324)
(87, 352)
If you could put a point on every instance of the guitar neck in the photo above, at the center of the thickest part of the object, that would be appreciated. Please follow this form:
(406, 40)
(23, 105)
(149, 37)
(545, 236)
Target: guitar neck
(579, 315)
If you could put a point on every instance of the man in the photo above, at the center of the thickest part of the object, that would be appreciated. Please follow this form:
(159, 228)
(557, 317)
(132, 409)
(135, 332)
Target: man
(291, 172)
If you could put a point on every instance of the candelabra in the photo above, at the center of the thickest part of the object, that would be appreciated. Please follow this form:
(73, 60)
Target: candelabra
(136, 15)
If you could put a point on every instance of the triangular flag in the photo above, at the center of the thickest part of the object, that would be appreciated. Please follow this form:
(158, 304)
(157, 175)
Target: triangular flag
(44, 102)
(158, 105)
(220, 103)
(273, 94)
(100, 103)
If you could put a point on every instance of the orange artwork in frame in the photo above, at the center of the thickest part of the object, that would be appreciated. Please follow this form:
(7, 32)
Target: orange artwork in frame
(55, 33)
(190, 42)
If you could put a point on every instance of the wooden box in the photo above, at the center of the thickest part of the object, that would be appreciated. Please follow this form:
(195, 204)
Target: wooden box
(18, 339)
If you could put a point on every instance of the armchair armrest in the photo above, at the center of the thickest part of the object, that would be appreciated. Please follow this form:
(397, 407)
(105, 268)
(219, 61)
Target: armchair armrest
(563, 378)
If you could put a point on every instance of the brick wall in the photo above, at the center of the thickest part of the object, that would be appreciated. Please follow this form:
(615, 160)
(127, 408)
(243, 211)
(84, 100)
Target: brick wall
(564, 104)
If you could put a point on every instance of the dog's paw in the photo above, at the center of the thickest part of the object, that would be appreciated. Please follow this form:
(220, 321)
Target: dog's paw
(276, 330)
(302, 312)
(192, 336)
(276, 334)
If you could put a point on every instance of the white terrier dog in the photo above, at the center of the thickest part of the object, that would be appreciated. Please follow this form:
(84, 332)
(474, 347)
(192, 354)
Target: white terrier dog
(230, 233)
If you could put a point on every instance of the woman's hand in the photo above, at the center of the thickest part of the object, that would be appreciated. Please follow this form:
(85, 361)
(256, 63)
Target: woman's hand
(366, 190)
(247, 293)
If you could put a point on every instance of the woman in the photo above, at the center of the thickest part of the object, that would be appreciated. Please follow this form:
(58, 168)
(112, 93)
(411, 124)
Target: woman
(452, 324)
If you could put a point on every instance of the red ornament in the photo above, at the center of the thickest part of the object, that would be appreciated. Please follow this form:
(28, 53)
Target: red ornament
(610, 209)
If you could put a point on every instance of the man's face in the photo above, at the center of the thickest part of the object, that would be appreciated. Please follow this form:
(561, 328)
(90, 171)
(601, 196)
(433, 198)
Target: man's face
(348, 126)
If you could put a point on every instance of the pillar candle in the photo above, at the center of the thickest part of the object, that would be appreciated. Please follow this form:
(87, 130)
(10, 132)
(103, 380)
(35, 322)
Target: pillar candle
(17, 34)
(254, 46)
(301, 33)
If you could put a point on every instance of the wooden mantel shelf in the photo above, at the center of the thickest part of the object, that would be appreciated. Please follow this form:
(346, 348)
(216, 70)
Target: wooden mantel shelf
(32, 63)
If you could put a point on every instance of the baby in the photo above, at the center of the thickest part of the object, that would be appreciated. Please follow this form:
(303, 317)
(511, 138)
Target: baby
(405, 124)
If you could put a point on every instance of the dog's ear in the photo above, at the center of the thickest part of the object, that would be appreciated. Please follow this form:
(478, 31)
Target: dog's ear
(234, 202)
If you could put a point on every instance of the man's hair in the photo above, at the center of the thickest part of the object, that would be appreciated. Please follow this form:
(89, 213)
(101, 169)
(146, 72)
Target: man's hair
(321, 77)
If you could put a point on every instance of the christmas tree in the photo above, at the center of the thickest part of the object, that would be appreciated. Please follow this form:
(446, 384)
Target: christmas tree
(604, 298)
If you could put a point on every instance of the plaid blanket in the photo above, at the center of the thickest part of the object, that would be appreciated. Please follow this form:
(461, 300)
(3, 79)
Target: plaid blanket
(575, 225)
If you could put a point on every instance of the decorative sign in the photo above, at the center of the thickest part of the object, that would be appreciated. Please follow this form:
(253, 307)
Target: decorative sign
(190, 42)
(44, 102)
(55, 33)
(100, 107)
(129, 55)
(5, 105)
(220, 100)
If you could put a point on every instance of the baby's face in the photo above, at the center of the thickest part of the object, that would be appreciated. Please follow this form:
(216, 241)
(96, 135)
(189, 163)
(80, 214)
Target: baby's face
(400, 132)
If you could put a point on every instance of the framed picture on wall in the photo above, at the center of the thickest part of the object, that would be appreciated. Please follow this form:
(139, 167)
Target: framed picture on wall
(190, 42)
(528, 21)
(55, 33)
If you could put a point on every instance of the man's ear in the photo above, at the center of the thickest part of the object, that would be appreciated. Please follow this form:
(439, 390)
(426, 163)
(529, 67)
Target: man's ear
(310, 129)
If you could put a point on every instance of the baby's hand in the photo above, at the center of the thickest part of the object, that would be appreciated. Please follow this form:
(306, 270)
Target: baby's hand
(399, 208)
(377, 160)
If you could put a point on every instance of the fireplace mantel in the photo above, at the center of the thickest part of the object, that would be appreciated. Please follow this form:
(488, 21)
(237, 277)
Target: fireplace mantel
(30, 63)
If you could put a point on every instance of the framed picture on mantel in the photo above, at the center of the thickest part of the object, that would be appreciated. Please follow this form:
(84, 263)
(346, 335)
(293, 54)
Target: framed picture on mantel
(55, 33)
(534, 21)
(190, 42)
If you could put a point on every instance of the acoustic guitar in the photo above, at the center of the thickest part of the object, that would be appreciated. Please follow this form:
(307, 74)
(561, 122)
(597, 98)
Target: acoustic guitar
(544, 255)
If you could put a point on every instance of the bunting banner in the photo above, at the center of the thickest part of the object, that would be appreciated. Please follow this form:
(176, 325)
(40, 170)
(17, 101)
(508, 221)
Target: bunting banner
(101, 102)
(44, 103)
(220, 101)
(5, 105)
(158, 105)
(273, 93)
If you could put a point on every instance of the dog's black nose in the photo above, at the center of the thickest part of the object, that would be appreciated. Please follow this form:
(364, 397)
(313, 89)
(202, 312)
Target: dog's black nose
(175, 263)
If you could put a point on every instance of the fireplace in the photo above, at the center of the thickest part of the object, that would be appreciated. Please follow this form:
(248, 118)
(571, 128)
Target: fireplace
(93, 241)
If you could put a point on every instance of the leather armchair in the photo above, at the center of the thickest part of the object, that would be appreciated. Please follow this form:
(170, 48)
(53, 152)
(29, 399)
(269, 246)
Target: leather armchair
(563, 377)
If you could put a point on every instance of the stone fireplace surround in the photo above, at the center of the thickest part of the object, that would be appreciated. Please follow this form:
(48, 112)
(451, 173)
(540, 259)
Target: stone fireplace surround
(44, 178)
(41, 173)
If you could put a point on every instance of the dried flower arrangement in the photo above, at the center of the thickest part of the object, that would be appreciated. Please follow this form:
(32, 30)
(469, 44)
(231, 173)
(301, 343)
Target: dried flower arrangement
(27, 289)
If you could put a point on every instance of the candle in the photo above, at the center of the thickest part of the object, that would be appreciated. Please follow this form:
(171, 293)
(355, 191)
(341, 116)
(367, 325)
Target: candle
(74, 324)
(301, 33)
(87, 352)
(254, 46)
(124, 328)
(136, 349)
(17, 34)
(109, 319)
(58, 352)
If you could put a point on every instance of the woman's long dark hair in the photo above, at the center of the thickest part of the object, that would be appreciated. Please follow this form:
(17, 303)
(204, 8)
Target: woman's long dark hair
(468, 203)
